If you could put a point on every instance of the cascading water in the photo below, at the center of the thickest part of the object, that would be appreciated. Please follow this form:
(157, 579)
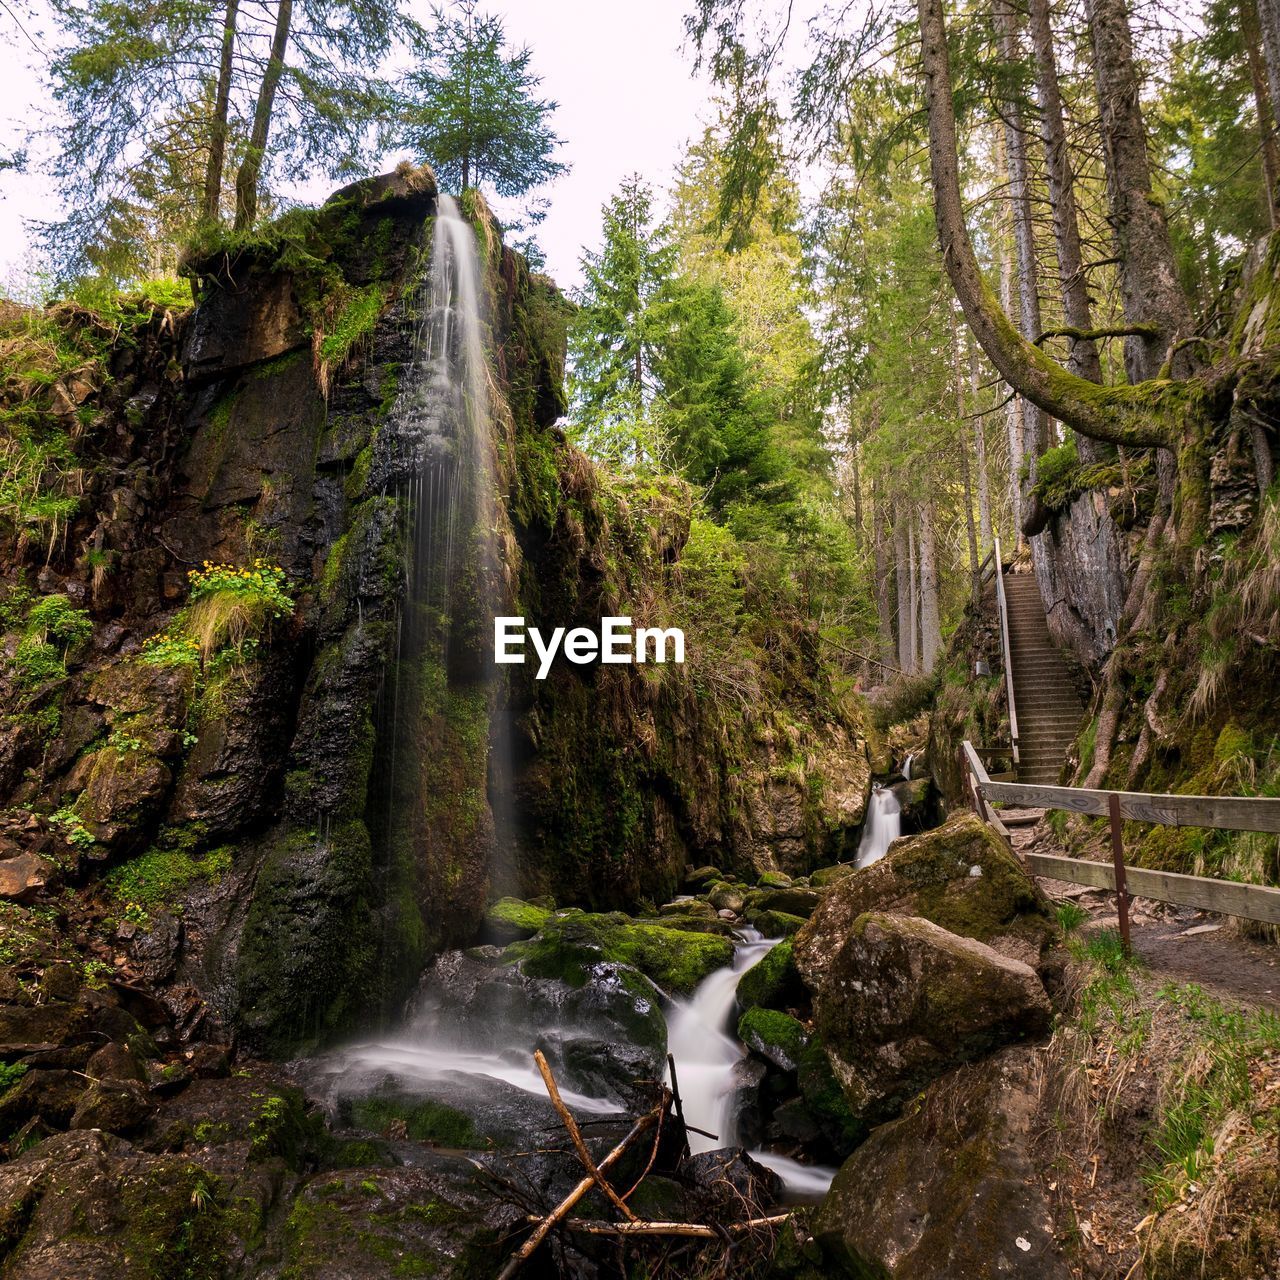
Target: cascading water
(705, 1055)
(883, 826)
(436, 455)
(906, 768)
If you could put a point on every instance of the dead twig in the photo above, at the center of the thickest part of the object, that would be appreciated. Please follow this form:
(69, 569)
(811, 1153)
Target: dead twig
(561, 1211)
(575, 1135)
(697, 1230)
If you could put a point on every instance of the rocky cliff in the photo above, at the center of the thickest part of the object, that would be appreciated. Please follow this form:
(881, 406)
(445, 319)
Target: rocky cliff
(201, 605)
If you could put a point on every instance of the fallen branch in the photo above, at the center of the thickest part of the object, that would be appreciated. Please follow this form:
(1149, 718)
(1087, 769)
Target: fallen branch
(575, 1134)
(697, 1230)
(561, 1210)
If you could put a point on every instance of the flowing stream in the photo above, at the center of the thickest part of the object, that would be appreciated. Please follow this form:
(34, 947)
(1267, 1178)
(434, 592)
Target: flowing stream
(883, 826)
(705, 1055)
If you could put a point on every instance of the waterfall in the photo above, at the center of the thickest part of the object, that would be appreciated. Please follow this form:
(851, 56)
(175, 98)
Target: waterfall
(906, 768)
(441, 725)
(705, 1054)
(698, 1040)
(883, 826)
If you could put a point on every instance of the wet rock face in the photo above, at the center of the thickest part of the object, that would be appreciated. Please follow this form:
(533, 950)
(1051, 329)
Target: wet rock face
(905, 1001)
(960, 876)
(950, 1189)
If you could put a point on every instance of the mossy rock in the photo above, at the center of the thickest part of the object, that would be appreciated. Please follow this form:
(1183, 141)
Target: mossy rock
(727, 897)
(824, 1099)
(825, 876)
(424, 1120)
(775, 924)
(776, 1037)
(774, 880)
(691, 924)
(510, 919)
(792, 901)
(569, 945)
(773, 982)
(687, 907)
(703, 877)
(960, 876)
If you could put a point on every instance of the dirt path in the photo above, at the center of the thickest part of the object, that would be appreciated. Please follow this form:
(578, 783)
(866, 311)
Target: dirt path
(1181, 942)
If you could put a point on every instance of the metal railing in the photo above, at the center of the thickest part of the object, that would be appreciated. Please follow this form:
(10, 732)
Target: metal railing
(1223, 813)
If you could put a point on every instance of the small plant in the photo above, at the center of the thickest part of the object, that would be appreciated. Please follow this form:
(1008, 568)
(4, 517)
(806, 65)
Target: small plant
(1071, 915)
(123, 741)
(230, 605)
(10, 1074)
(74, 831)
(171, 649)
(96, 973)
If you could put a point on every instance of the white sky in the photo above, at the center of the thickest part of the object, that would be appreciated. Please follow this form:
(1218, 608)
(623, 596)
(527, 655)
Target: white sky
(628, 103)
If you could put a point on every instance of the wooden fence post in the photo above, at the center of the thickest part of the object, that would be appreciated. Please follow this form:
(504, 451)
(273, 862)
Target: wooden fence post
(1117, 856)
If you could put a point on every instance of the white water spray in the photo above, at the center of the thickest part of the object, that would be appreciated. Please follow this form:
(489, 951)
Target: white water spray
(883, 826)
(906, 768)
(705, 1055)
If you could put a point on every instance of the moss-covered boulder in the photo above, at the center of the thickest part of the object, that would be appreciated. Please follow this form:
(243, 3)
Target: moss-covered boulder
(774, 924)
(950, 1189)
(569, 945)
(777, 1037)
(906, 1001)
(792, 901)
(774, 880)
(825, 876)
(773, 982)
(510, 919)
(961, 876)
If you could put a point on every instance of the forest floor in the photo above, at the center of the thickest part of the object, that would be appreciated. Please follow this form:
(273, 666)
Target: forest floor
(1161, 1092)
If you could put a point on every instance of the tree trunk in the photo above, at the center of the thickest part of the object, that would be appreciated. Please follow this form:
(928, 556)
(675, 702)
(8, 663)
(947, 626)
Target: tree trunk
(251, 166)
(1269, 23)
(930, 623)
(1012, 410)
(913, 600)
(904, 573)
(1121, 415)
(980, 456)
(880, 552)
(1149, 289)
(966, 479)
(1083, 356)
(221, 101)
(855, 480)
(1035, 425)
(1252, 36)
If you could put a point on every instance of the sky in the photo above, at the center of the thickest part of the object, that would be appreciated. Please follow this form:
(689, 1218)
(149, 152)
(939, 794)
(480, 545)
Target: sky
(628, 98)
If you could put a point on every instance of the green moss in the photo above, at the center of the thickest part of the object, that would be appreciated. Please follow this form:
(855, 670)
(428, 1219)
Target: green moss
(157, 879)
(284, 1129)
(425, 1120)
(773, 982)
(775, 924)
(568, 946)
(776, 1036)
(513, 916)
(355, 319)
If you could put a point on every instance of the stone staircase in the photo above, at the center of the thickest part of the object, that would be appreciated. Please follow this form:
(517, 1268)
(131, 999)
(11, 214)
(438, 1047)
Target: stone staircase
(1049, 710)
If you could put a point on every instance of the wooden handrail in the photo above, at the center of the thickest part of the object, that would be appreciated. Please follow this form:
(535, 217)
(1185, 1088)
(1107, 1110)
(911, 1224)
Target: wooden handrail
(987, 568)
(1003, 610)
(1225, 813)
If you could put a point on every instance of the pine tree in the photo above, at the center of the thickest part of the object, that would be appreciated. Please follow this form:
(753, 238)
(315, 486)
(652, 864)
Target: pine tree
(472, 110)
(160, 100)
(623, 316)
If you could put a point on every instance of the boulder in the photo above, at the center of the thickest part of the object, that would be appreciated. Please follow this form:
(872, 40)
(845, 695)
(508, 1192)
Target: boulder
(775, 924)
(727, 897)
(790, 901)
(776, 1037)
(114, 1105)
(569, 945)
(23, 876)
(113, 1062)
(905, 1001)
(774, 880)
(949, 1190)
(510, 919)
(52, 1095)
(961, 876)
(773, 982)
(825, 876)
